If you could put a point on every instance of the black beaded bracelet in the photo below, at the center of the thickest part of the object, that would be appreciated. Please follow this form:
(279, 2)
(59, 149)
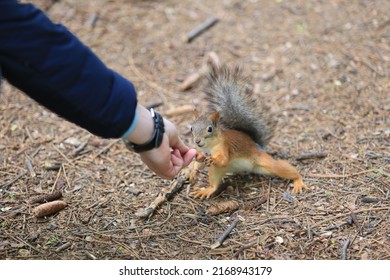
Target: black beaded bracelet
(156, 139)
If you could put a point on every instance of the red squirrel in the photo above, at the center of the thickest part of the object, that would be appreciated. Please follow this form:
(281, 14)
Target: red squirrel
(232, 134)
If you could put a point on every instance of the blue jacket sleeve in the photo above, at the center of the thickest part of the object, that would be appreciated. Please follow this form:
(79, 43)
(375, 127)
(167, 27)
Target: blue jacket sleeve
(51, 65)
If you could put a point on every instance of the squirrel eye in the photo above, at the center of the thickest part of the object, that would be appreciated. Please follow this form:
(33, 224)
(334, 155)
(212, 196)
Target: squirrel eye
(209, 129)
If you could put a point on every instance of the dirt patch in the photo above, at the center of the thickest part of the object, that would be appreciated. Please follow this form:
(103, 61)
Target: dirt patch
(323, 66)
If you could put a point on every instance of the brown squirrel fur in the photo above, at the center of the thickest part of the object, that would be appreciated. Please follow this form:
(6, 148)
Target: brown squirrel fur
(232, 135)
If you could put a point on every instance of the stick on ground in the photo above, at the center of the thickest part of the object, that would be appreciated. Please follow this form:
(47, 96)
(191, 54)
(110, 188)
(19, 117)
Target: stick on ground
(161, 198)
(211, 59)
(193, 78)
(344, 250)
(8, 184)
(225, 234)
(311, 156)
(30, 167)
(347, 214)
(63, 247)
(201, 28)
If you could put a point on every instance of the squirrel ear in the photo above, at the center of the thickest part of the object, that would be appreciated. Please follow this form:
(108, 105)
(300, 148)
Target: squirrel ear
(214, 117)
(196, 113)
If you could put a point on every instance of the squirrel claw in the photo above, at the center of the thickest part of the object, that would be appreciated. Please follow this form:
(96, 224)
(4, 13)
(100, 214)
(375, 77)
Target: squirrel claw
(298, 186)
(209, 161)
(202, 193)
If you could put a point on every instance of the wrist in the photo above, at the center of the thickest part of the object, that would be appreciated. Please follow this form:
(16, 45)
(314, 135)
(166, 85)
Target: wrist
(142, 127)
(148, 132)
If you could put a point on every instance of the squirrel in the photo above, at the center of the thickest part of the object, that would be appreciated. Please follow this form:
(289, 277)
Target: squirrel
(232, 135)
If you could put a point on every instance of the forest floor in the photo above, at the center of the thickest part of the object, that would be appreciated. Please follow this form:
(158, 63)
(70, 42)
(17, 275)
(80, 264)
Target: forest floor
(324, 68)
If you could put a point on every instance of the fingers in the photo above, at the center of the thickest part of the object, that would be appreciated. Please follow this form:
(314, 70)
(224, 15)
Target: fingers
(189, 156)
(173, 155)
(174, 140)
(176, 143)
(181, 146)
(176, 158)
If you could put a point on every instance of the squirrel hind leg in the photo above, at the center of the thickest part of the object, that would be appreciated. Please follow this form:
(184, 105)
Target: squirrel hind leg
(282, 169)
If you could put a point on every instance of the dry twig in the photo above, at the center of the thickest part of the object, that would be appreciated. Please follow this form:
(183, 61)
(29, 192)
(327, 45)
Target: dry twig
(79, 149)
(30, 167)
(63, 247)
(347, 214)
(8, 184)
(90, 256)
(211, 59)
(356, 222)
(243, 248)
(225, 233)
(344, 250)
(193, 78)
(176, 186)
(370, 200)
(91, 22)
(201, 28)
(311, 156)
(106, 148)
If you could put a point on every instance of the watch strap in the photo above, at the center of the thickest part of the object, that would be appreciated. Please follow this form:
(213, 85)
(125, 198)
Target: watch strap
(156, 139)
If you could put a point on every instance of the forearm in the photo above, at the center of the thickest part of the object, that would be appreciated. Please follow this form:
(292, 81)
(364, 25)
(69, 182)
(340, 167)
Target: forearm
(52, 66)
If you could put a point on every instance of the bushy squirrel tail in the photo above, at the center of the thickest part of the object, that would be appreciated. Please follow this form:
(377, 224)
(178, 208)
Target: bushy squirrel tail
(228, 94)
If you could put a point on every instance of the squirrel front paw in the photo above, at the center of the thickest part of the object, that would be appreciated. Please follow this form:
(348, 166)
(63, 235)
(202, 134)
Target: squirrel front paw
(200, 157)
(203, 193)
(298, 186)
(209, 161)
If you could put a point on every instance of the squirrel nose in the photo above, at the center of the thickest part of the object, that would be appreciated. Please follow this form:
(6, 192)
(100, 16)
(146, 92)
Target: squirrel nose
(197, 141)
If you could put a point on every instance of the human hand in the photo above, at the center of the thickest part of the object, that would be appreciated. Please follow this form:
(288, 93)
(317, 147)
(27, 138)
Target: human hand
(172, 155)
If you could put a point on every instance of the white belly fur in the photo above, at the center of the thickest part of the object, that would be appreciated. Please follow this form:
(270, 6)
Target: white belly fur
(241, 165)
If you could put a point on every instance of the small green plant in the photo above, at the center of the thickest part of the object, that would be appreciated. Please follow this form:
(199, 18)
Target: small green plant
(12, 196)
(52, 240)
(3, 224)
(299, 27)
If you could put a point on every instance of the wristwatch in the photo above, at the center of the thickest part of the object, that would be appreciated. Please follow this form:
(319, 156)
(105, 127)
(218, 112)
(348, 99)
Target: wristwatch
(155, 140)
